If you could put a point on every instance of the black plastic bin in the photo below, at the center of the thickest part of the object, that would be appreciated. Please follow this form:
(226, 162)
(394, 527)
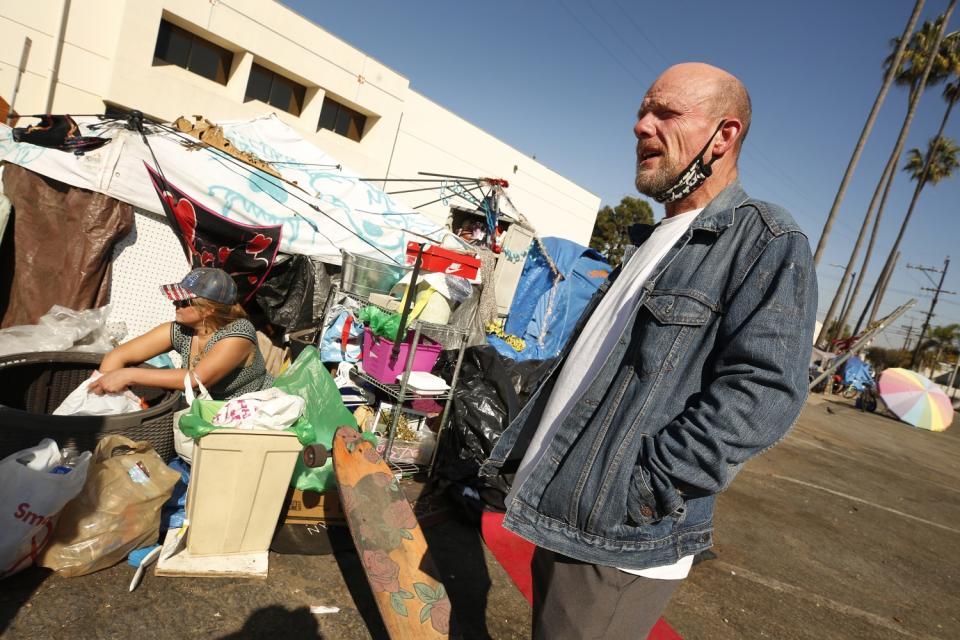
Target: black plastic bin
(32, 386)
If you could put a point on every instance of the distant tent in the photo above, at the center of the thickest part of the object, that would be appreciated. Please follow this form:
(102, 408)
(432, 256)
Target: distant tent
(856, 371)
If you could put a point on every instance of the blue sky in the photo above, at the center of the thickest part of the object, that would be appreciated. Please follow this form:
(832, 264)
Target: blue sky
(561, 80)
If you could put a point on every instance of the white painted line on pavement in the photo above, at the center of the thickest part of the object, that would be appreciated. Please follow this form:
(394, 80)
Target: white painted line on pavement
(797, 439)
(856, 499)
(804, 594)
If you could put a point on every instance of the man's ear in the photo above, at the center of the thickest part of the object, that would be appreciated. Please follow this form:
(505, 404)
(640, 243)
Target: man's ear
(726, 141)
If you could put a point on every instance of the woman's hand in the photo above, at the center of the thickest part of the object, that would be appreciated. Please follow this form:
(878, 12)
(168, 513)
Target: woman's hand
(113, 381)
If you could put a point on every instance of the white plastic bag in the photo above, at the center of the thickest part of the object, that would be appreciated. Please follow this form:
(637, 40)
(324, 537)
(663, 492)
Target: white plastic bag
(183, 444)
(82, 402)
(63, 329)
(32, 493)
(267, 409)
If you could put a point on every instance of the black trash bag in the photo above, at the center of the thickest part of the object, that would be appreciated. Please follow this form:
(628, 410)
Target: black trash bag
(286, 296)
(490, 392)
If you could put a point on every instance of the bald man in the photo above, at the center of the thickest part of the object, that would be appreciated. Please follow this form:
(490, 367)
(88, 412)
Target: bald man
(689, 361)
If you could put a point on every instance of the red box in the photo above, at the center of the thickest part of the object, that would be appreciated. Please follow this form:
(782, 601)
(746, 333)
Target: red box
(438, 260)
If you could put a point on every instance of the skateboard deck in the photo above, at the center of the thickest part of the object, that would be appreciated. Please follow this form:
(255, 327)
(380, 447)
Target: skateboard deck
(412, 602)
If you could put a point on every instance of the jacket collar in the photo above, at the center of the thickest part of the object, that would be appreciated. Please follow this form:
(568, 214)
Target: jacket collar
(715, 217)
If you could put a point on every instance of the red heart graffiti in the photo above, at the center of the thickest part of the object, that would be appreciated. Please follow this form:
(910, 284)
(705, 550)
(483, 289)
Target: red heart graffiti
(186, 218)
(258, 244)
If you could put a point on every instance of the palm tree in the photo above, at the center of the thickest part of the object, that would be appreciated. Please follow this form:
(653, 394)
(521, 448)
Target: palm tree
(951, 93)
(914, 60)
(940, 341)
(944, 158)
(910, 74)
(925, 42)
(895, 62)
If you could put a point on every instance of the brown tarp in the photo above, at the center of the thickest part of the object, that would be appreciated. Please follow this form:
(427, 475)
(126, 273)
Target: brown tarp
(57, 247)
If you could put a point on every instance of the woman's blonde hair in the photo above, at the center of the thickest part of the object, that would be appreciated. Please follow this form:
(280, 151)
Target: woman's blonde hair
(220, 314)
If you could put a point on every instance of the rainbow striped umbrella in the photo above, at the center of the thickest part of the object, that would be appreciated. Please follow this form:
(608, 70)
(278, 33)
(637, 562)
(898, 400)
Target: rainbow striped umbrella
(916, 400)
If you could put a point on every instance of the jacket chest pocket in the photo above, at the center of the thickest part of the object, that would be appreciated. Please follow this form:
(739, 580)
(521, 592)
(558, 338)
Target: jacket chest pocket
(665, 327)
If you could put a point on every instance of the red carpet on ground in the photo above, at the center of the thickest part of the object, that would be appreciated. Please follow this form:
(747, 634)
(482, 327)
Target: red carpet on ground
(514, 554)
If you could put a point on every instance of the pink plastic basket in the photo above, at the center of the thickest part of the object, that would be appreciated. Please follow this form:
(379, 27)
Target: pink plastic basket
(376, 356)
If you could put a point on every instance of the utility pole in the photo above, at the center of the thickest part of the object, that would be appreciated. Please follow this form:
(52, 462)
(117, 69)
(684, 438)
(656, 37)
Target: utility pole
(909, 335)
(933, 304)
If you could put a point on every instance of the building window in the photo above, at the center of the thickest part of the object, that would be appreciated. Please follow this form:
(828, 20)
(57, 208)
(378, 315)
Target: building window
(193, 53)
(341, 119)
(266, 86)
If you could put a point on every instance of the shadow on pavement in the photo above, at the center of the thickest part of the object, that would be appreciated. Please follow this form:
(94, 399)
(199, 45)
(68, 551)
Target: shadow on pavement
(17, 590)
(457, 551)
(265, 623)
(356, 581)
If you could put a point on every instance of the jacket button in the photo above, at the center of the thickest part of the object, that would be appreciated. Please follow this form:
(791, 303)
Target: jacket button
(646, 511)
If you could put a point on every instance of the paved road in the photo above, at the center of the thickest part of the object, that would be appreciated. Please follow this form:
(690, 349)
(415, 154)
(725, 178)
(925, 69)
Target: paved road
(849, 528)
(38, 606)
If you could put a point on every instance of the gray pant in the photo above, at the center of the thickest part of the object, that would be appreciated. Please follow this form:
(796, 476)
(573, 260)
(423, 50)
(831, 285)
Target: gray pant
(573, 600)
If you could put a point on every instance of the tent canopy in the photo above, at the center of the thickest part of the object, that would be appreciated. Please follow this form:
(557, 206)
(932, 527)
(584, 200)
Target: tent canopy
(322, 209)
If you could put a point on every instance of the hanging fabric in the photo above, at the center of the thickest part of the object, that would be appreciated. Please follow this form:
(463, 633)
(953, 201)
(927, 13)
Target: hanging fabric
(246, 252)
(58, 132)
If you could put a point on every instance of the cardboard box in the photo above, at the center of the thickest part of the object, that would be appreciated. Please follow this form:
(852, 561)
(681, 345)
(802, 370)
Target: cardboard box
(310, 507)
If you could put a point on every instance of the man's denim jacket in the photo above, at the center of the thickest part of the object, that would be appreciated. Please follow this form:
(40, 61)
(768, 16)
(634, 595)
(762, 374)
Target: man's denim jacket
(710, 371)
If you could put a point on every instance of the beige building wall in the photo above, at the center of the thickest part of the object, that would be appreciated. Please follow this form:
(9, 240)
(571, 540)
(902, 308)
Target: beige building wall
(107, 58)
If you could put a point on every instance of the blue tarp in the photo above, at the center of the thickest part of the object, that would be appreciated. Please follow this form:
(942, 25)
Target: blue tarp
(856, 372)
(542, 314)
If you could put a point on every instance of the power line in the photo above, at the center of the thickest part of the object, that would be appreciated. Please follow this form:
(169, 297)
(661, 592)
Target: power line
(600, 42)
(620, 38)
(643, 35)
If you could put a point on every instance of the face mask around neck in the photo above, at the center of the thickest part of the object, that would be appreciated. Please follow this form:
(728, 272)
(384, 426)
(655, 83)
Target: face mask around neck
(692, 177)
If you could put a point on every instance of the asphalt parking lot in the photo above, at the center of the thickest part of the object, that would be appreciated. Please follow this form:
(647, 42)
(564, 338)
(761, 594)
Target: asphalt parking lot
(849, 528)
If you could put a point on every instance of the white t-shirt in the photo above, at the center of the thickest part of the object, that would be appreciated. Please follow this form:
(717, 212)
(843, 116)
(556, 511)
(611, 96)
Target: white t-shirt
(591, 350)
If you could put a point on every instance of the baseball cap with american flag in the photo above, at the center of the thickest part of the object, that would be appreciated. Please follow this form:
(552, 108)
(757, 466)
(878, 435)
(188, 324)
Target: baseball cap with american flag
(206, 282)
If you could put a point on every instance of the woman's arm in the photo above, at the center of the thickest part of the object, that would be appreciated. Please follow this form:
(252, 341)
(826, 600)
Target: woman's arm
(223, 357)
(140, 349)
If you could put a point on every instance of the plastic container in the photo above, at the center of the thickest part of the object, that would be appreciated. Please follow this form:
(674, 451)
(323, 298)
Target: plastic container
(376, 360)
(237, 488)
(363, 276)
(418, 453)
(32, 385)
(440, 260)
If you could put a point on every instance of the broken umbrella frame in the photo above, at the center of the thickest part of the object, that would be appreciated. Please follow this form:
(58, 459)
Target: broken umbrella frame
(462, 187)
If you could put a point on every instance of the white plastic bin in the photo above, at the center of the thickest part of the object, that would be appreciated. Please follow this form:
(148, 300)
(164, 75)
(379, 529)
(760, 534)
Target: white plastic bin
(238, 483)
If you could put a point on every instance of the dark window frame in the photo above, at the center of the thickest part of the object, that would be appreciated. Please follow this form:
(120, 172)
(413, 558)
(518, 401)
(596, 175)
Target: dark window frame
(279, 90)
(341, 119)
(196, 53)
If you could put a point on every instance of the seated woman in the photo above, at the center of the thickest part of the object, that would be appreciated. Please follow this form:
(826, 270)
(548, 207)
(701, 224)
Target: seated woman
(215, 340)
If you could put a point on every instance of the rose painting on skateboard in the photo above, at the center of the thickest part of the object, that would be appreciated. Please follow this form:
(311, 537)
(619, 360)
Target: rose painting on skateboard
(412, 602)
